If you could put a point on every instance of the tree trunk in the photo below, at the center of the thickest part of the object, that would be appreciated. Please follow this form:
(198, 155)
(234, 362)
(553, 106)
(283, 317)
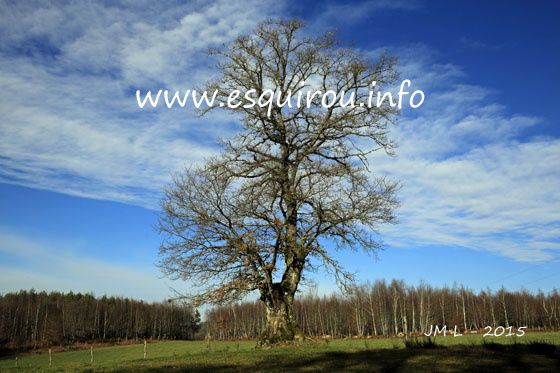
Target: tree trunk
(281, 324)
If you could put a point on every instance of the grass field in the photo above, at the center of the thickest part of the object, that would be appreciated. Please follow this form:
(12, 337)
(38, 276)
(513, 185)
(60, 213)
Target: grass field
(467, 353)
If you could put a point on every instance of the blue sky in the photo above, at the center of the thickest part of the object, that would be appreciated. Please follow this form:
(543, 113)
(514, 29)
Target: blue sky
(82, 168)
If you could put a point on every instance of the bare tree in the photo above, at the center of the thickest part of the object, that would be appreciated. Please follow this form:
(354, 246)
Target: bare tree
(292, 186)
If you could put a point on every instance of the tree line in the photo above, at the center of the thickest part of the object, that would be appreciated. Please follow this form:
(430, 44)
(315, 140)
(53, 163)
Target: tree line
(385, 309)
(31, 319)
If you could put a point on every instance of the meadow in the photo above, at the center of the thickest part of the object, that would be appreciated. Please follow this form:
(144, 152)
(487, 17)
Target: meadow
(532, 352)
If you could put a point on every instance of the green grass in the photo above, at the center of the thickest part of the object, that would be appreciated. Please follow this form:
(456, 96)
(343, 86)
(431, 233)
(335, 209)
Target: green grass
(467, 353)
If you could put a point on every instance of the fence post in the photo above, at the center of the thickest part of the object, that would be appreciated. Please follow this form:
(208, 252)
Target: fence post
(50, 357)
(91, 350)
(145, 349)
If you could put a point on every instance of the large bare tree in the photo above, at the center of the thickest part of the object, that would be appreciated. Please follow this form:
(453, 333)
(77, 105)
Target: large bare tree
(293, 186)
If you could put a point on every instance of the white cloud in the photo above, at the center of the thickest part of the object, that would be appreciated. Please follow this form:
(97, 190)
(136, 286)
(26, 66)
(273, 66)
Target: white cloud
(501, 197)
(30, 263)
(469, 178)
(330, 15)
(70, 121)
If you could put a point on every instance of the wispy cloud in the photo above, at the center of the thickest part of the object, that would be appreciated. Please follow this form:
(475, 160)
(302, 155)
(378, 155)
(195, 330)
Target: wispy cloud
(469, 177)
(30, 263)
(329, 17)
(479, 45)
(70, 121)
(68, 73)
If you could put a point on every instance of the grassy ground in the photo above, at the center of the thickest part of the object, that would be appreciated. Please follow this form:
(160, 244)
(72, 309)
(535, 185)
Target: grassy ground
(467, 353)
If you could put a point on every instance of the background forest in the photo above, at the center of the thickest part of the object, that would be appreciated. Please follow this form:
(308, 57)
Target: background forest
(29, 319)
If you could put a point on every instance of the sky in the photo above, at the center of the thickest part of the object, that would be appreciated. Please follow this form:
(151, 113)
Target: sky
(82, 167)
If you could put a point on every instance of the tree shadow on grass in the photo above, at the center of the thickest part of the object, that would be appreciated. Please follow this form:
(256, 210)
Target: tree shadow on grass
(481, 358)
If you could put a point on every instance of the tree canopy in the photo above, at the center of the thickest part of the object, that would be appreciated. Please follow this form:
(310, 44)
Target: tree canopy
(293, 185)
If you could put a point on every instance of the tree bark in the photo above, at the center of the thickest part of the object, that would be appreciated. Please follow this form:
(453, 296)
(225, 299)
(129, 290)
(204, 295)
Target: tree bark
(281, 324)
